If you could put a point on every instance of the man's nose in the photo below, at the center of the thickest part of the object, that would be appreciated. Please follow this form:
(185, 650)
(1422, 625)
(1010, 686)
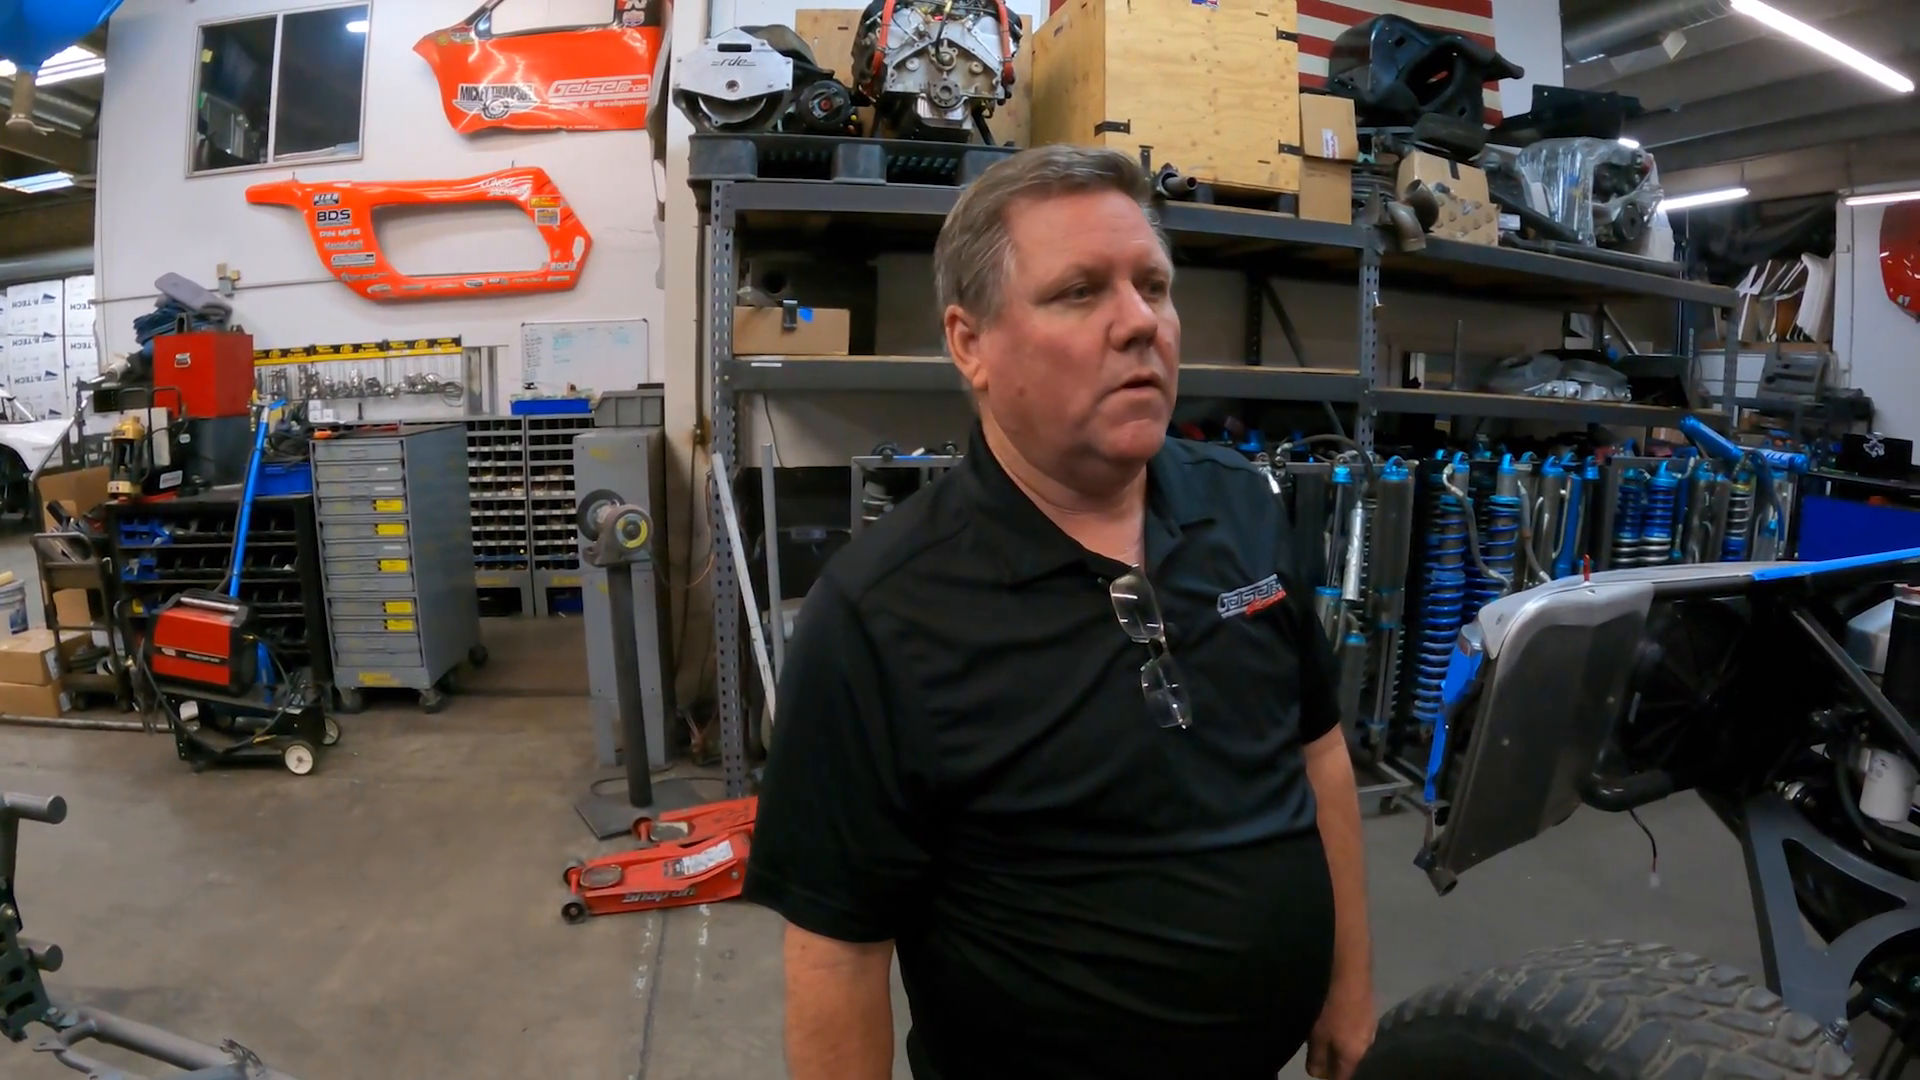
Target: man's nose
(1137, 322)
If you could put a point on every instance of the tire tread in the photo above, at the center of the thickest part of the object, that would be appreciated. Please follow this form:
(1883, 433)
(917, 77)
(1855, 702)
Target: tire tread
(1622, 1011)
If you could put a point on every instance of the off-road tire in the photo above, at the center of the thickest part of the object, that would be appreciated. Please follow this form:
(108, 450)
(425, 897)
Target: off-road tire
(1603, 1011)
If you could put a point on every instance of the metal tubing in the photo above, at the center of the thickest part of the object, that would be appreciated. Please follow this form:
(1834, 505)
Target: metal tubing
(1863, 687)
(71, 723)
(730, 523)
(777, 620)
(162, 1046)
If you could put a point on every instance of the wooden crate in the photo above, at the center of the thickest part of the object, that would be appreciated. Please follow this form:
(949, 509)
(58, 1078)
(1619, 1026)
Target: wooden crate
(829, 33)
(1212, 88)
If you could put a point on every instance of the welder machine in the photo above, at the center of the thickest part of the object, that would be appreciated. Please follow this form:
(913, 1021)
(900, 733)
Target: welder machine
(218, 684)
(205, 638)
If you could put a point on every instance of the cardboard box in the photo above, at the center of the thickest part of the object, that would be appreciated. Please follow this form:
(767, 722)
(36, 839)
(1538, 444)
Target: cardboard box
(1327, 129)
(757, 331)
(71, 608)
(36, 308)
(76, 490)
(17, 699)
(1326, 191)
(80, 317)
(34, 658)
(1468, 222)
(1212, 88)
(1467, 182)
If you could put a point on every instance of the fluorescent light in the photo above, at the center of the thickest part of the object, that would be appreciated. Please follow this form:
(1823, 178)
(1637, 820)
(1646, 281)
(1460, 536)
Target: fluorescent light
(69, 63)
(1793, 28)
(1884, 198)
(34, 185)
(1704, 198)
(1631, 144)
(357, 26)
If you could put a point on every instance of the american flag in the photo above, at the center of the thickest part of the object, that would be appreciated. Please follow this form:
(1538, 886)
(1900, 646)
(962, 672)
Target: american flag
(1323, 20)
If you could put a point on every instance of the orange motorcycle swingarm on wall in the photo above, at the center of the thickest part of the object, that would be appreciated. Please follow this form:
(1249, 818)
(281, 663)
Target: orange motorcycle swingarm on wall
(1900, 255)
(339, 217)
(584, 78)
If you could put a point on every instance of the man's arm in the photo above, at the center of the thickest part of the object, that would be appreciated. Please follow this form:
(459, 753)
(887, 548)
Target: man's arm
(839, 1008)
(1347, 1024)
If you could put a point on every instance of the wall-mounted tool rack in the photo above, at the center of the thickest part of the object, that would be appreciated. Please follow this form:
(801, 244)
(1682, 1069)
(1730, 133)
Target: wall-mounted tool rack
(848, 218)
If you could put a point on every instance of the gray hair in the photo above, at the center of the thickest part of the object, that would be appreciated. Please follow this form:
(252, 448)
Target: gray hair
(972, 258)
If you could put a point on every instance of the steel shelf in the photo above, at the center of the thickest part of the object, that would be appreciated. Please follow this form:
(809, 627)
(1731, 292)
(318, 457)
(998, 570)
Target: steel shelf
(916, 374)
(1510, 407)
(1450, 265)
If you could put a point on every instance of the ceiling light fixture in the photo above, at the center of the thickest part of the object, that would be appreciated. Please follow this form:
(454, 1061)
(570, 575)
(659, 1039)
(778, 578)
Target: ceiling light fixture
(1883, 198)
(63, 66)
(1631, 144)
(357, 26)
(1785, 24)
(1704, 198)
(34, 185)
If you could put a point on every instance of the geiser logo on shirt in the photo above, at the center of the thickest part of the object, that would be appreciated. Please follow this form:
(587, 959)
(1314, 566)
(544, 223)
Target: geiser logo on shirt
(1258, 596)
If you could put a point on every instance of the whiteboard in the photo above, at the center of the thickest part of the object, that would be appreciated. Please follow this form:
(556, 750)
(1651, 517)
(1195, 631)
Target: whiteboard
(611, 355)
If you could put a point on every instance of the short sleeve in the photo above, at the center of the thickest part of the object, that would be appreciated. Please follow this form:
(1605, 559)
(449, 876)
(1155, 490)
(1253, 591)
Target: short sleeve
(838, 846)
(1319, 678)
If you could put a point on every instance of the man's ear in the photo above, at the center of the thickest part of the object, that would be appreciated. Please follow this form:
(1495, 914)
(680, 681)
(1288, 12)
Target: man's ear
(963, 344)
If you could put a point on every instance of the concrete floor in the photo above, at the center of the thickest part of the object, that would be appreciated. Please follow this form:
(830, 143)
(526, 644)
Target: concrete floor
(395, 914)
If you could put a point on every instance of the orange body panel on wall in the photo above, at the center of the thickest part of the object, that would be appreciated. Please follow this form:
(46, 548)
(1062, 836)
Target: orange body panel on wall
(212, 369)
(586, 78)
(1900, 255)
(339, 217)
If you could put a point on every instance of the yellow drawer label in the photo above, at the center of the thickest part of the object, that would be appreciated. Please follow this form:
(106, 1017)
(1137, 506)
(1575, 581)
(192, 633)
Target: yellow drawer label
(390, 530)
(393, 566)
(399, 624)
(398, 607)
(389, 506)
(377, 678)
(564, 581)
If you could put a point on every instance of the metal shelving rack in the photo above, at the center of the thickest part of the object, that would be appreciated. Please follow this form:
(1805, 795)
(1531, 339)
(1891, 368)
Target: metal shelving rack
(551, 500)
(825, 214)
(497, 486)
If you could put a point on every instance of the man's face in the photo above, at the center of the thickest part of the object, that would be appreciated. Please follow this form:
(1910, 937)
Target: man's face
(1082, 360)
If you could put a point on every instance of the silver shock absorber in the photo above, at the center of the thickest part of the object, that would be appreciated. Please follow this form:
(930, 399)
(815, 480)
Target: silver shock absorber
(1549, 520)
(1695, 540)
(1330, 592)
(1736, 546)
(1392, 548)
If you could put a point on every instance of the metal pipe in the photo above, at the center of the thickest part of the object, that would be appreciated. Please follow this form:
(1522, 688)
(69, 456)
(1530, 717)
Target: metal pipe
(162, 1046)
(65, 262)
(1631, 27)
(72, 723)
(777, 618)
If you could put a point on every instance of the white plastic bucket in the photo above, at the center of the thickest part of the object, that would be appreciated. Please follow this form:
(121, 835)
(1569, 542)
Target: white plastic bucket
(13, 605)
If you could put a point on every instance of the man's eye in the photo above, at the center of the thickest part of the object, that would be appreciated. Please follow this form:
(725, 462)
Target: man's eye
(1082, 291)
(1154, 290)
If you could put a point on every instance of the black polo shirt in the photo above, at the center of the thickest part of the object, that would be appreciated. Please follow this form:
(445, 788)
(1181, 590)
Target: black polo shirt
(963, 763)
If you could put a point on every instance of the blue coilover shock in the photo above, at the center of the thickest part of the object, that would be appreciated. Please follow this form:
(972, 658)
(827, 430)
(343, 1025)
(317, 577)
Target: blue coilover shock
(1629, 519)
(1499, 538)
(1738, 545)
(1662, 518)
(1443, 587)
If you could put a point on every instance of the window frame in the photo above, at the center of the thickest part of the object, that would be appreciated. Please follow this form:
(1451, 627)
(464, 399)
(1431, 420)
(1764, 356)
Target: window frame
(273, 93)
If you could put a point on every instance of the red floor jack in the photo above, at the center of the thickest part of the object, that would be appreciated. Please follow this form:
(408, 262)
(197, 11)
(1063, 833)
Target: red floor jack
(692, 853)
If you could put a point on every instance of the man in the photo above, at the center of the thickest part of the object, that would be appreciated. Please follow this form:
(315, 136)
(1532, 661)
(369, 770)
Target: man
(1055, 730)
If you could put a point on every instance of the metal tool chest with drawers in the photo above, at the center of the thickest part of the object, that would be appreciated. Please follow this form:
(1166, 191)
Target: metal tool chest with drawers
(396, 546)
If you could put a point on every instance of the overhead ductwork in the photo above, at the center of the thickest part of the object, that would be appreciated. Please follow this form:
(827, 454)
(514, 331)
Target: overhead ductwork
(45, 265)
(1632, 27)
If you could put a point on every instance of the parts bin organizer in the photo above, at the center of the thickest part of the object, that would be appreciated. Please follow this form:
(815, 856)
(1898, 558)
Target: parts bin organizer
(397, 544)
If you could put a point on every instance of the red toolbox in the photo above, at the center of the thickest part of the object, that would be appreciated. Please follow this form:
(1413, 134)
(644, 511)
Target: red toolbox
(212, 369)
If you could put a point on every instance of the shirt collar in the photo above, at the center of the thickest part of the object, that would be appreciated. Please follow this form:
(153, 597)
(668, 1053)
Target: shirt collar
(1026, 543)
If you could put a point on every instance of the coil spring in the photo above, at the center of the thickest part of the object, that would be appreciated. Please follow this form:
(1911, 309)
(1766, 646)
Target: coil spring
(1739, 521)
(1662, 519)
(1629, 519)
(1499, 549)
(875, 501)
(1443, 597)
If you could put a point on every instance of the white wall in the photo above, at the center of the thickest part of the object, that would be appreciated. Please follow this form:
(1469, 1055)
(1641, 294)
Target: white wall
(1875, 340)
(1527, 32)
(153, 218)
